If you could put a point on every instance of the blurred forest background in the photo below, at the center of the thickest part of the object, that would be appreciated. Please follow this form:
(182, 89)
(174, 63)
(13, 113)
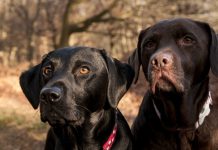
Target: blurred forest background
(31, 28)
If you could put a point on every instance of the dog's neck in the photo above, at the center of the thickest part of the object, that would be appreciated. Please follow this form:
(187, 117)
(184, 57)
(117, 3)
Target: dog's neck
(93, 134)
(103, 126)
(204, 113)
(183, 110)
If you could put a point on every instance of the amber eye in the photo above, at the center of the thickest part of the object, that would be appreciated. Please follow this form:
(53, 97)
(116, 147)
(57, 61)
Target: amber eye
(47, 71)
(84, 70)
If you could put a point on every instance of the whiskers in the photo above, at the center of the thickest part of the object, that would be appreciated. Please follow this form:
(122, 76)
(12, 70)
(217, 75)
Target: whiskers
(84, 108)
(36, 114)
(43, 101)
(70, 113)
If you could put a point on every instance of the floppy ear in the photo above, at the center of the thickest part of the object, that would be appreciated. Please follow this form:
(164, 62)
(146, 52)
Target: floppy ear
(120, 77)
(30, 84)
(214, 52)
(213, 43)
(135, 59)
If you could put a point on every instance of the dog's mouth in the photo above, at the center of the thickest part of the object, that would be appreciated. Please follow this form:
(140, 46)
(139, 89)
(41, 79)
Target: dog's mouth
(165, 81)
(56, 117)
(53, 119)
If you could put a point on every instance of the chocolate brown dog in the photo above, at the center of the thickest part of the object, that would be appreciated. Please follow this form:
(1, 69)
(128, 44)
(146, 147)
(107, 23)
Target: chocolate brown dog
(177, 113)
(78, 89)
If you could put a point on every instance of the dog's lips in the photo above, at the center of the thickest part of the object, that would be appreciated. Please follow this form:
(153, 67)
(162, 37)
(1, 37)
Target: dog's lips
(51, 115)
(57, 122)
(53, 119)
(164, 81)
(57, 117)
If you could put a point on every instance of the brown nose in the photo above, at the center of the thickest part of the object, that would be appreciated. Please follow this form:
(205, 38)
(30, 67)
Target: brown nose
(161, 60)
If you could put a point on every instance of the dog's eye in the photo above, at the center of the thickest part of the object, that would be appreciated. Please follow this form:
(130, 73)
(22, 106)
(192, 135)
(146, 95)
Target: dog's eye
(187, 40)
(150, 44)
(47, 71)
(84, 70)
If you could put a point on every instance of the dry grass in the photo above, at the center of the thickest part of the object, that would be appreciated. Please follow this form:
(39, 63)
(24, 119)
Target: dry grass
(20, 126)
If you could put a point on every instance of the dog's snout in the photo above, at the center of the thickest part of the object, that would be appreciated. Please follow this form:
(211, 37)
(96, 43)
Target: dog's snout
(162, 60)
(52, 94)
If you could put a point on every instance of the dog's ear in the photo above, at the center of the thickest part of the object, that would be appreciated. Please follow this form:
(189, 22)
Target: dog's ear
(30, 84)
(135, 62)
(214, 52)
(213, 43)
(120, 77)
(135, 59)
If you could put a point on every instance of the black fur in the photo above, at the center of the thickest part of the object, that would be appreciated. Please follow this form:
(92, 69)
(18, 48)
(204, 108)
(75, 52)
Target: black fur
(176, 56)
(81, 107)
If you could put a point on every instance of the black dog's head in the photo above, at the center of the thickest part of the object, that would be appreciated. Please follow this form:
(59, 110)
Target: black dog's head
(71, 83)
(176, 54)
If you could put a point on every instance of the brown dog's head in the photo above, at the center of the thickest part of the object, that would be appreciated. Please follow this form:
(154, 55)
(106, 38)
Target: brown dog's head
(176, 54)
(72, 83)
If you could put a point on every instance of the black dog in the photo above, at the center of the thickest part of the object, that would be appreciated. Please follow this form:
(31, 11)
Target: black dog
(78, 89)
(177, 112)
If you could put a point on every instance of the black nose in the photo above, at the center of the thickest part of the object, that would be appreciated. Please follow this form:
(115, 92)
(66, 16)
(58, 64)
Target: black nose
(52, 94)
(162, 60)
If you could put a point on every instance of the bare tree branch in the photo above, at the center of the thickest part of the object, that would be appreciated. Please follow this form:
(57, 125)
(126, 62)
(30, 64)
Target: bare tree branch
(68, 29)
(22, 11)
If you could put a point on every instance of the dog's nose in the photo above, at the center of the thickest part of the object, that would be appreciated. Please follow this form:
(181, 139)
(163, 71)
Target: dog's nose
(52, 94)
(162, 60)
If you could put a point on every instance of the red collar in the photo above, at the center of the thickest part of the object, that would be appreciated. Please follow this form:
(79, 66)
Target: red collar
(109, 143)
